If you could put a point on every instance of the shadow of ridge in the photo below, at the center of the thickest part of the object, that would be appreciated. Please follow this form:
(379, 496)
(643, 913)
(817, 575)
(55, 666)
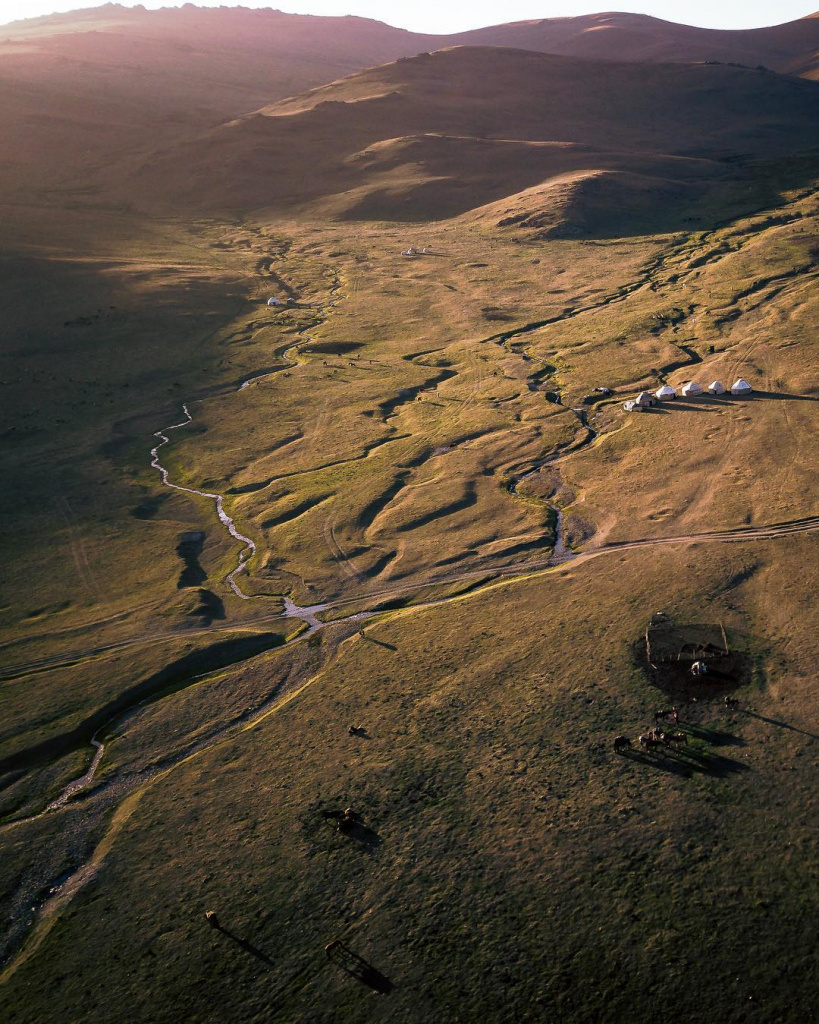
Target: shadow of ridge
(775, 721)
(248, 947)
(175, 676)
(782, 396)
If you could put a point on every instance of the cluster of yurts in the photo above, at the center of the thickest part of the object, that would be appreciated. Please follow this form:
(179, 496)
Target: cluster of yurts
(689, 390)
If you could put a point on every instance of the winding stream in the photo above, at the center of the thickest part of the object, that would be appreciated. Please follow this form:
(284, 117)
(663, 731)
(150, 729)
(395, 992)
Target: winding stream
(249, 548)
(112, 792)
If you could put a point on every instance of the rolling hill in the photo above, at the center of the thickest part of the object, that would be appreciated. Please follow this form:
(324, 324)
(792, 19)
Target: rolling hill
(441, 134)
(90, 88)
(790, 48)
(347, 639)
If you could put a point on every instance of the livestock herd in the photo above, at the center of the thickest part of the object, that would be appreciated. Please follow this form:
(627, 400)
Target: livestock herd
(656, 738)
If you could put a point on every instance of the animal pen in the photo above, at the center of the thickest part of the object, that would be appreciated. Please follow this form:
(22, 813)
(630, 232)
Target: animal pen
(668, 642)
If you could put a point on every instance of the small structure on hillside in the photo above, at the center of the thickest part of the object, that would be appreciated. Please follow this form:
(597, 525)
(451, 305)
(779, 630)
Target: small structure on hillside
(605, 392)
(668, 642)
(665, 393)
(741, 387)
(412, 251)
(632, 406)
(716, 387)
(645, 399)
(273, 301)
(692, 388)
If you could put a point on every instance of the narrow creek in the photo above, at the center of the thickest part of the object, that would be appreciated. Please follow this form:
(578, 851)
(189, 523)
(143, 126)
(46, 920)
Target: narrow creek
(92, 808)
(291, 610)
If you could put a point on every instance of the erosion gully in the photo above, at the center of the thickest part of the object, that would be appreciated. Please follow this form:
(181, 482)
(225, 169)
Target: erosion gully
(42, 896)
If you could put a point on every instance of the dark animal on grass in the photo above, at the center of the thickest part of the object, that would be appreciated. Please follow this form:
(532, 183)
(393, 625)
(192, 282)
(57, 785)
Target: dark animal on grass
(731, 702)
(211, 919)
(674, 739)
(345, 820)
(621, 743)
(661, 716)
(649, 742)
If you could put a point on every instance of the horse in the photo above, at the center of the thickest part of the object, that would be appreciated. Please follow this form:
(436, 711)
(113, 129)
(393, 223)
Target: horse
(649, 742)
(621, 743)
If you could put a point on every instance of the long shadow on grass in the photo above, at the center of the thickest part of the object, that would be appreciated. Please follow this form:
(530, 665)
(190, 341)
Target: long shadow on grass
(380, 643)
(687, 762)
(713, 737)
(248, 947)
(357, 967)
(775, 721)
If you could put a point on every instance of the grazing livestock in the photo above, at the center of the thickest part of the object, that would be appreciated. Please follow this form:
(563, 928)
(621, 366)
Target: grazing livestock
(731, 702)
(211, 919)
(674, 739)
(621, 743)
(660, 716)
(649, 742)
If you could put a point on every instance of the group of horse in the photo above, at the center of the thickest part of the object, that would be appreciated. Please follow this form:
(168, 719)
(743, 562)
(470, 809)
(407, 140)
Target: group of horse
(657, 737)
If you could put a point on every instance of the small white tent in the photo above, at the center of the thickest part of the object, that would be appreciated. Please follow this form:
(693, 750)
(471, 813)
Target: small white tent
(632, 406)
(716, 387)
(665, 393)
(741, 387)
(274, 302)
(645, 398)
(692, 388)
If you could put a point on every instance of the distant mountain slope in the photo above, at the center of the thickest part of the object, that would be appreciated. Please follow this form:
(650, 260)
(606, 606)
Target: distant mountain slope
(438, 135)
(305, 42)
(790, 48)
(91, 87)
(101, 87)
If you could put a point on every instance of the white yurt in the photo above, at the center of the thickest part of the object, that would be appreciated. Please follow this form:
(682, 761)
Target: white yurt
(741, 387)
(716, 387)
(692, 388)
(645, 398)
(274, 302)
(665, 393)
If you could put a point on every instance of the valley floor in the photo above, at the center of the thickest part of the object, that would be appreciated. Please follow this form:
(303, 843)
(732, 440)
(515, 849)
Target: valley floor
(385, 547)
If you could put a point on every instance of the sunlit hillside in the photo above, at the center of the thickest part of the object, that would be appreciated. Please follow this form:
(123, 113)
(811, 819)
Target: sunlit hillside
(409, 521)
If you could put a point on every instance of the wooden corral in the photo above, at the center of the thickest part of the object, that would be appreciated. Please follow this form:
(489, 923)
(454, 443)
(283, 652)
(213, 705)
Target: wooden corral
(668, 641)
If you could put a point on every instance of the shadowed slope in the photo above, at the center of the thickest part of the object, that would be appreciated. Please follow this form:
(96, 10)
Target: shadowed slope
(789, 48)
(109, 85)
(428, 138)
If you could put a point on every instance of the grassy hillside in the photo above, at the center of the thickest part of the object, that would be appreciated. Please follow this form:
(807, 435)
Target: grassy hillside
(110, 85)
(426, 138)
(789, 48)
(383, 546)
